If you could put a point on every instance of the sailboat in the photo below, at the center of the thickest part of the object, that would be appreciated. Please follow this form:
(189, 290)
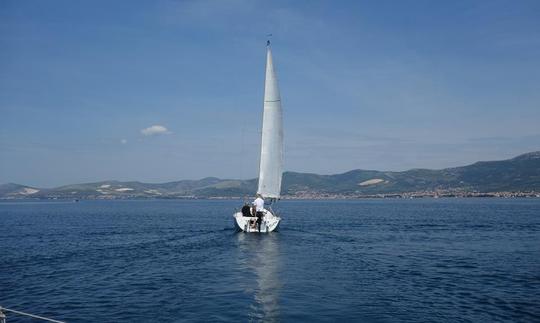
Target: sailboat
(271, 161)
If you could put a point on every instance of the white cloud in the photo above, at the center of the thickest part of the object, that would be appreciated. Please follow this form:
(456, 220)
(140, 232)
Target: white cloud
(123, 141)
(155, 130)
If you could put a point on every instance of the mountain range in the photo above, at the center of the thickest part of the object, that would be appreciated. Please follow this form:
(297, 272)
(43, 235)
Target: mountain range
(518, 174)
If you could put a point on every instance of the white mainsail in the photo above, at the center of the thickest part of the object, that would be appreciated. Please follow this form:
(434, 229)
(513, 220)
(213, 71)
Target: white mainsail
(271, 166)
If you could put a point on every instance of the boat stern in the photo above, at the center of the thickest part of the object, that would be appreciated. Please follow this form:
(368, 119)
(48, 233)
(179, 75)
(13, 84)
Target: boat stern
(270, 222)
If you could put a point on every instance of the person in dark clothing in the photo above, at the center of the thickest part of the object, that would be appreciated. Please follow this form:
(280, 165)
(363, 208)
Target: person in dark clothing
(246, 210)
(259, 220)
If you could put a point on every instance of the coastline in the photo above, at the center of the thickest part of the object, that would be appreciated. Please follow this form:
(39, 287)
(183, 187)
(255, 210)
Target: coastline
(302, 196)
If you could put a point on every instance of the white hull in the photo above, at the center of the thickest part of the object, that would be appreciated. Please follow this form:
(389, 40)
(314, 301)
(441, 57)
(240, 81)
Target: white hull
(270, 222)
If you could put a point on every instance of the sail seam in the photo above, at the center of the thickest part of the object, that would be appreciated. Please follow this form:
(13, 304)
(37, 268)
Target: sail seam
(273, 101)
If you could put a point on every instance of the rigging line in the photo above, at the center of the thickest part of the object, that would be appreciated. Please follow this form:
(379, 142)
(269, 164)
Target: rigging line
(30, 315)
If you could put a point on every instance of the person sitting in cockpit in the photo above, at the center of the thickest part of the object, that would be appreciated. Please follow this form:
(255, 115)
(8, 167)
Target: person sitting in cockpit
(246, 210)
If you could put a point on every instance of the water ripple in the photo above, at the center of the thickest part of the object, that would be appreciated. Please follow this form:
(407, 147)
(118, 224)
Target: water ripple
(371, 260)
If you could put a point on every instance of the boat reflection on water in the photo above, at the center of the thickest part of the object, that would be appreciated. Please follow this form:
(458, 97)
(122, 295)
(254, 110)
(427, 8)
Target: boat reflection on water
(259, 258)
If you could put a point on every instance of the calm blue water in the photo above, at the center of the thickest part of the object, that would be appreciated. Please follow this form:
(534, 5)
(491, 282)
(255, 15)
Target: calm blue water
(446, 260)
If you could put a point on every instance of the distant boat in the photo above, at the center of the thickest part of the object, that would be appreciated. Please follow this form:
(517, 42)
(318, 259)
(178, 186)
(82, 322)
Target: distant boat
(271, 162)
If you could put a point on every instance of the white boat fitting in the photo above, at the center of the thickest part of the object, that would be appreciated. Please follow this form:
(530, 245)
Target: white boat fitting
(271, 162)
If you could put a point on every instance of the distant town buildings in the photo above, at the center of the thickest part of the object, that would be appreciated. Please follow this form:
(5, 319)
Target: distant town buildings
(410, 195)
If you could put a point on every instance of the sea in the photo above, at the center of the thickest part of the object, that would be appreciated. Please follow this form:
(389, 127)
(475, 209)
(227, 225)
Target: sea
(368, 260)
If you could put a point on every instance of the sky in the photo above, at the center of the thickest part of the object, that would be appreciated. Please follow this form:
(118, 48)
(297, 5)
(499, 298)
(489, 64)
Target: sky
(159, 91)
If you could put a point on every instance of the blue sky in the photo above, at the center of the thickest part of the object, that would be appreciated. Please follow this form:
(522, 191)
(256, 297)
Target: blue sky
(387, 85)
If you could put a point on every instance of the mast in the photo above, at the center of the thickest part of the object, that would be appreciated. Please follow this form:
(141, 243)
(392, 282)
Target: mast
(271, 162)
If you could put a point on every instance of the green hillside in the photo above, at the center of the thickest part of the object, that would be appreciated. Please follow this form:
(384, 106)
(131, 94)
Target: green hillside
(521, 173)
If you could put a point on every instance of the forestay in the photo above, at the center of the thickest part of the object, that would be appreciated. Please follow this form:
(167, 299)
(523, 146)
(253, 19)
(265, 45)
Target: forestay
(271, 165)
